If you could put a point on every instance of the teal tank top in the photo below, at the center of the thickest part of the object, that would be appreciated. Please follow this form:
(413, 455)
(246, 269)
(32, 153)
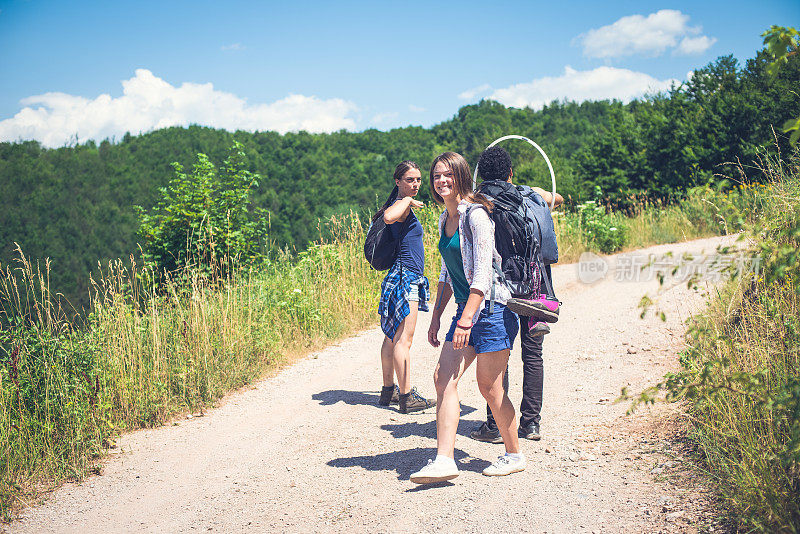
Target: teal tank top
(450, 249)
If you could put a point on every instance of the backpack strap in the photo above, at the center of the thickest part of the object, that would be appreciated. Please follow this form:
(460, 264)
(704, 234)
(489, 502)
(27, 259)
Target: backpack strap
(495, 266)
(544, 269)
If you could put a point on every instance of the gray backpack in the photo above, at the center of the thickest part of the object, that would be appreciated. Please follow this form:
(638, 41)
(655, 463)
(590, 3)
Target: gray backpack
(544, 222)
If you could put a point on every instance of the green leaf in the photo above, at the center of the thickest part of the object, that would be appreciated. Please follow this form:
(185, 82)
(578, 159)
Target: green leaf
(791, 124)
(794, 137)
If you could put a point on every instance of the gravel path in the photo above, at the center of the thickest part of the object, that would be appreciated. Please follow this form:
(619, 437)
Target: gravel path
(310, 450)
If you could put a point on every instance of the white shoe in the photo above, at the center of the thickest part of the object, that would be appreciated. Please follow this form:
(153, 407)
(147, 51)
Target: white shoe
(435, 472)
(505, 465)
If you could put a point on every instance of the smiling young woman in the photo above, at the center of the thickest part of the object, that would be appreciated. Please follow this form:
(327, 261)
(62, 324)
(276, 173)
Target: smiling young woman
(482, 329)
(404, 291)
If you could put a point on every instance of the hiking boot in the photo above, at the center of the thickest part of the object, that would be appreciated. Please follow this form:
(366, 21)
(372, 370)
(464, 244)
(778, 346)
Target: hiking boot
(435, 472)
(414, 402)
(389, 395)
(537, 328)
(489, 434)
(530, 432)
(505, 465)
(542, 308)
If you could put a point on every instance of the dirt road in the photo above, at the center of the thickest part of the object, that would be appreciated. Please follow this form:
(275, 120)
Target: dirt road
(310, 450)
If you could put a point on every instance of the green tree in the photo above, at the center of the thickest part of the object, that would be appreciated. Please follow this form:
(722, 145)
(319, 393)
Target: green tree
(205, 216)
(783, 43)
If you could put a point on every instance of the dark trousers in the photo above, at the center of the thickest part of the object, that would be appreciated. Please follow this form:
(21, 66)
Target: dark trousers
(532, 378)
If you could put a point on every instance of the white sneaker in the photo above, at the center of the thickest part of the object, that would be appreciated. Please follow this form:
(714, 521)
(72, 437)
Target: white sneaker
(505, 465)
(435, 472)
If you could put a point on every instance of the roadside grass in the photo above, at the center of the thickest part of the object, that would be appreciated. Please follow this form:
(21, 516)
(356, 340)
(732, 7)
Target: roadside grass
(647, 223)
(740, 372)
(142, 356)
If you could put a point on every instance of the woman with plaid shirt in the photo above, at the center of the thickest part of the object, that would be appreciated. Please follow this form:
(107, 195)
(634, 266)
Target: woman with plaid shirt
(404, 291)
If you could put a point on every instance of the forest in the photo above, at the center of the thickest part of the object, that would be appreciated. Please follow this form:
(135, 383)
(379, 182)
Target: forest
(76, 204)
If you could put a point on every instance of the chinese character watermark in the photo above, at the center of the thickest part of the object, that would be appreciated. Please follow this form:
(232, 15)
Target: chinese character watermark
(637, 267)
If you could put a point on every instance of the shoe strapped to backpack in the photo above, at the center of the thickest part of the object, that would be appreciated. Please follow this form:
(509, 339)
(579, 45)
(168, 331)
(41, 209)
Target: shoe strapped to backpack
(537, 328)
(543, 308)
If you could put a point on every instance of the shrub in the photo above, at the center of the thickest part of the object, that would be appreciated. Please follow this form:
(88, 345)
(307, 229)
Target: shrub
(599, 226)
(205, 216)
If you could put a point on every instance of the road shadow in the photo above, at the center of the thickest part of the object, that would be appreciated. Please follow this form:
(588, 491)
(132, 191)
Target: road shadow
(353, 398)
(428, 429)
(366, 398)
(405, 462)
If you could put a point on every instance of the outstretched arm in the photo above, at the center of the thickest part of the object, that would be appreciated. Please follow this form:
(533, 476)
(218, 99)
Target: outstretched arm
(400, 209)
(548, 197)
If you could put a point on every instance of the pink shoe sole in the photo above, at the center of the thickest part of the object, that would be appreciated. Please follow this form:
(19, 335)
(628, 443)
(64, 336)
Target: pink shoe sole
(542, 309)
(537, 328)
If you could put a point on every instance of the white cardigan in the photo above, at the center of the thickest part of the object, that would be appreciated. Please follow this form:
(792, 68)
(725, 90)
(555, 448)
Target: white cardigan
(477, 254)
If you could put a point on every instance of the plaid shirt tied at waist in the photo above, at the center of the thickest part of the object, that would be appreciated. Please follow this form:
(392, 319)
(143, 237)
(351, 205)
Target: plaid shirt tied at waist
(395, 288)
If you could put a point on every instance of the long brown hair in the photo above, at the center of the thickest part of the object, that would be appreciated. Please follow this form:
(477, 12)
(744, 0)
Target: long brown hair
(462, 179)
(402, 168)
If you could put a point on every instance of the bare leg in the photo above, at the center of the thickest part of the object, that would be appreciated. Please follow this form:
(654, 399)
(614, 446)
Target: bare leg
(489, 372)
(402, 348)
(387, 362)
(451, 366)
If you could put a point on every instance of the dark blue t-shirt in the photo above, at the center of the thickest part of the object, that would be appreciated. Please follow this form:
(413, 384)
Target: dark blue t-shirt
(412, 252)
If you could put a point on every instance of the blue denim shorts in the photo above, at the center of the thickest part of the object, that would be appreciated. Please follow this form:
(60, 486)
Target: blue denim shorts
(413, 293)
(491, 332)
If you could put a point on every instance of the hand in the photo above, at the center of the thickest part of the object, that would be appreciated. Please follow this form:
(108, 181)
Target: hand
(417, 203)
(461, 337)
(433, 333)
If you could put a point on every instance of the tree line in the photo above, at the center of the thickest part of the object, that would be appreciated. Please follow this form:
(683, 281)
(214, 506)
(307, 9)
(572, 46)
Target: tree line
(75, 204)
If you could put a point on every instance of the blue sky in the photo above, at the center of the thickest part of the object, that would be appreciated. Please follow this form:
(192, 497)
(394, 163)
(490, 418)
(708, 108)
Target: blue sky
(98, 69)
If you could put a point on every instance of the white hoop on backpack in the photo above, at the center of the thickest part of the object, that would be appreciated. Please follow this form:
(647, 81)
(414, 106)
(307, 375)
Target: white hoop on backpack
(537, 147)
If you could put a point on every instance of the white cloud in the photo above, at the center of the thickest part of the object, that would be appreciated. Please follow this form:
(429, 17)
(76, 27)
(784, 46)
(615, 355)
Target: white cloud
(234, 46)
(651, 36)
(469, 94)
(695, 45)
(597, 84)
(415, 109)
(148, 103)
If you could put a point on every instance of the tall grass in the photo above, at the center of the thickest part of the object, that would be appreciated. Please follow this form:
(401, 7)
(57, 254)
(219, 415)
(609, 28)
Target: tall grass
(143, 355)
(741, 368)
(746, 435)
(746, 416)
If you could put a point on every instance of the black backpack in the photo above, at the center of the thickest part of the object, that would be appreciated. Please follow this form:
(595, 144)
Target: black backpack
(518, 238)
(380, 247)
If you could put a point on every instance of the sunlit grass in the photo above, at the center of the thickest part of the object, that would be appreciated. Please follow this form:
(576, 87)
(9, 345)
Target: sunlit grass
(745, 353)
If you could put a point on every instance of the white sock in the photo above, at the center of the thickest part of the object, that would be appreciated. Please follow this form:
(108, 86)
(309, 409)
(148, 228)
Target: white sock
(515, 455)
(444, 459)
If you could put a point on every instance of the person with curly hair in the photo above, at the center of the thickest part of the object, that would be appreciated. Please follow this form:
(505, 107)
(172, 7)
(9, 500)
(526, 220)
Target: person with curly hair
(495, 164)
